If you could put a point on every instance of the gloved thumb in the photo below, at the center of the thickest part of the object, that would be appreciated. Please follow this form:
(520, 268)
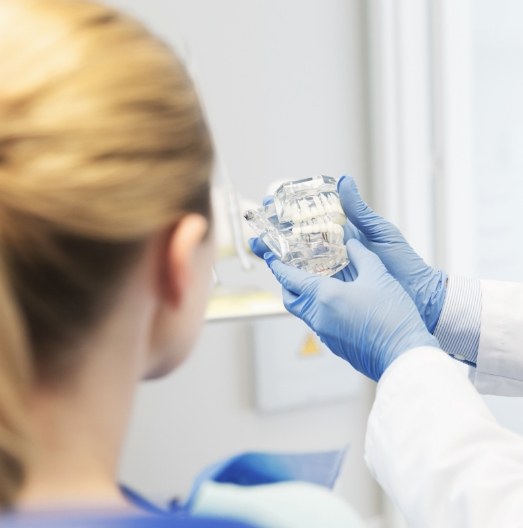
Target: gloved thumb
(358, 212)
(364, 260)
(258, 247)
(293, 279)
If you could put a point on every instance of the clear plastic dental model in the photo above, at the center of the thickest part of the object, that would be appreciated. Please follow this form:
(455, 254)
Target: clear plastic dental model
(303, 226)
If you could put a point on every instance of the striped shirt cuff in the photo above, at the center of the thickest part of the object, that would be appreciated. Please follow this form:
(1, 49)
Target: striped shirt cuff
(459, 325)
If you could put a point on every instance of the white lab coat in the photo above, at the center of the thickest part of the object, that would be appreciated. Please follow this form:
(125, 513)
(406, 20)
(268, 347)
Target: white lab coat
(431, 441)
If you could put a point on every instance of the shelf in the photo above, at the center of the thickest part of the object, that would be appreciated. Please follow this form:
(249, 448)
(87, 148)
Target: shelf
(228, 304)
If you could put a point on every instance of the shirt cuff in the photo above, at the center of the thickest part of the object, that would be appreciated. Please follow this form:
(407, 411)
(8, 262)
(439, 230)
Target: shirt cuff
(459, 325)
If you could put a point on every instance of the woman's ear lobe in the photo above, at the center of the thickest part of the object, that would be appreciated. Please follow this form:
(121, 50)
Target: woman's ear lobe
(182, 250)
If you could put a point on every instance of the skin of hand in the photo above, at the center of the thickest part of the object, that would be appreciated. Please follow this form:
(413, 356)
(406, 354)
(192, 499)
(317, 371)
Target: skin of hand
(363, 314)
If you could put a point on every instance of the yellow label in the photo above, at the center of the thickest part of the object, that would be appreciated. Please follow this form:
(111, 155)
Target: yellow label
(310, 346)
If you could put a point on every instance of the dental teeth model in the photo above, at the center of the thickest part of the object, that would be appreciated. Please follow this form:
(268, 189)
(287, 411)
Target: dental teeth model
(303, 225)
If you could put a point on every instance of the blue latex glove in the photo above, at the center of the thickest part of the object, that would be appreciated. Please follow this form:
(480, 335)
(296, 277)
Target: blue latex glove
(369, 321)
(425, 285)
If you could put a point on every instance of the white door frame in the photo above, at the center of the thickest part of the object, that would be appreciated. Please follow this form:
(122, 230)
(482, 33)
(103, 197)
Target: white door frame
(455, 212)
(400, 99)
(419, 63)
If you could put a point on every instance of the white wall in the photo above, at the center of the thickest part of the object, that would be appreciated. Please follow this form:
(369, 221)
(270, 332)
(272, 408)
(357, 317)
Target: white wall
(498, 136)
(284, 83)
(497, 109)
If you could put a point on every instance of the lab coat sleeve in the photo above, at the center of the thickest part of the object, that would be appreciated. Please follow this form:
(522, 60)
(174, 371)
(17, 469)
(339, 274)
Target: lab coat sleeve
(481, 323)
(436, 449)
(499, 364)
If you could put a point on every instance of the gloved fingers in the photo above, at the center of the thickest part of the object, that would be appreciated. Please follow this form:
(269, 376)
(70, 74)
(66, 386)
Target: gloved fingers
(258, 247)
(289, 300)
(351, 231)
(293, 279)
(374, 227)
(347, 274)
(364, 261)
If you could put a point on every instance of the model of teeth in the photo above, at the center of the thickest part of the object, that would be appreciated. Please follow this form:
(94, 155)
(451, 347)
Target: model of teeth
(318, 214)
(332, 232)
(303, 225)
(320, 205)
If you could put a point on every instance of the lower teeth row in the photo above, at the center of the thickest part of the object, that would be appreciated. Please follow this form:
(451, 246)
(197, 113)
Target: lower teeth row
(330, 231)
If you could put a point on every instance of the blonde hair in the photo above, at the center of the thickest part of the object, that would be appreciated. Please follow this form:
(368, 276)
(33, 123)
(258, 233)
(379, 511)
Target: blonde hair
(102, 144)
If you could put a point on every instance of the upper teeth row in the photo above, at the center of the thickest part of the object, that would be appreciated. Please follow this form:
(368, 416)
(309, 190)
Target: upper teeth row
(324, 204)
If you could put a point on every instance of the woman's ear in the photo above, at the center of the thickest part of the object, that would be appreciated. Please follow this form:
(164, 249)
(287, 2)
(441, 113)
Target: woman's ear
(186, 257)
(183, 245)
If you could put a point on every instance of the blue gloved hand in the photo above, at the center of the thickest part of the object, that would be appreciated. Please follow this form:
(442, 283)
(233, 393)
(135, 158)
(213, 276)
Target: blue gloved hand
(369, 321)
(425, 285)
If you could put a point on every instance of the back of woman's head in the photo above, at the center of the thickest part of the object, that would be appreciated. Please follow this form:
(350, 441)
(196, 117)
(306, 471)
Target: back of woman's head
(102, 144)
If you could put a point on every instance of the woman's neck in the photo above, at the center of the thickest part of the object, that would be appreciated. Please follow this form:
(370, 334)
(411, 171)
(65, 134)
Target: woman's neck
(77, 445)
(80, 423)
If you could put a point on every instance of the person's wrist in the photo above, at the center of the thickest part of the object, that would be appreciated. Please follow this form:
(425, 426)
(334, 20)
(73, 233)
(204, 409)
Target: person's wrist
(459, 326)
(421, 338)
(415, 340)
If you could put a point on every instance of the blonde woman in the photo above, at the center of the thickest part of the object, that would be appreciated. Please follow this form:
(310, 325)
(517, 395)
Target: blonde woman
(106, 249)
